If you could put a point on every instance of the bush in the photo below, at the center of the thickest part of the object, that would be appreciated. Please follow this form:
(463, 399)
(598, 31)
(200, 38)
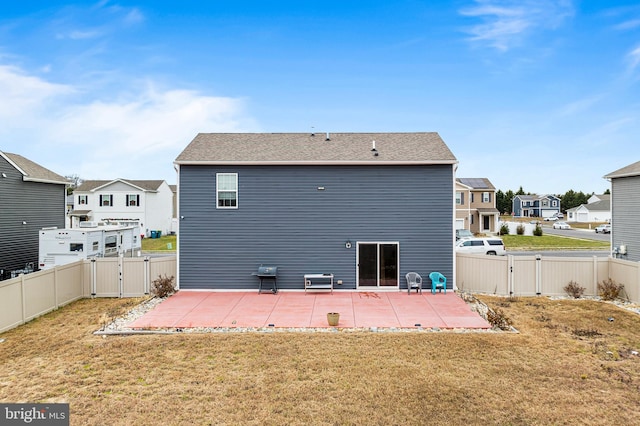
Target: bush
(609, 289)
(520, 229)
(538, 231)
(499, 319)
(574, 289)
(163, 286)
(504, 229)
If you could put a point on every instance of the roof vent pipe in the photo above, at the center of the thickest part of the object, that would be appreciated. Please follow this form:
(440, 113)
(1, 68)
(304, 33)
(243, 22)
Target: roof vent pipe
(328, 138)
(373, 146)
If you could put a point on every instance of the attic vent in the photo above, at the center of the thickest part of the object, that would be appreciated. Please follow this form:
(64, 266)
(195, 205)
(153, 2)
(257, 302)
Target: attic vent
(328, 138)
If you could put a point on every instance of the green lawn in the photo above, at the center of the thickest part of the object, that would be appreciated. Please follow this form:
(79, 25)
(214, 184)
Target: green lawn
(164, 243)
(551, 242)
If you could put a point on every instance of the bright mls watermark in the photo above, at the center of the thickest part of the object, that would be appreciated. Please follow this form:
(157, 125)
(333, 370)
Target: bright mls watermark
(34, 414)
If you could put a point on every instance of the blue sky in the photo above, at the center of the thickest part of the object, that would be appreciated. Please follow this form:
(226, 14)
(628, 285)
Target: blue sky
(543, 94)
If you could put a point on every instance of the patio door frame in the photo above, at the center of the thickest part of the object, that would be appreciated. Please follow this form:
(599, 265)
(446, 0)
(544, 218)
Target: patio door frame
(378, 244)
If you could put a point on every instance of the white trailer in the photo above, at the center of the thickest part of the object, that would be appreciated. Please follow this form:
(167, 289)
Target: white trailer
(62, 246)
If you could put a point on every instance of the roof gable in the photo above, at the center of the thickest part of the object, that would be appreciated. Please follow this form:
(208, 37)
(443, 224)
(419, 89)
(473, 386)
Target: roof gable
(140, 185)
(305, 148)
(32, 171)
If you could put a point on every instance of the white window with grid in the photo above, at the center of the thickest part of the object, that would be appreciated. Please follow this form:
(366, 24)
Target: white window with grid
(227, 190)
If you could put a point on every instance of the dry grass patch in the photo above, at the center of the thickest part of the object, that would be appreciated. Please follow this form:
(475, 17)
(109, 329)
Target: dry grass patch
(568, 365)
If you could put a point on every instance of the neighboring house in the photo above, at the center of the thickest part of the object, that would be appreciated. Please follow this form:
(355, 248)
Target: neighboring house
(33, 197)
(476, 205)
(599, 197)
(463, 205)
(145, 203)
(597, 209)
(535, 205)
(69, 209)
(364, 207)
(625, 212)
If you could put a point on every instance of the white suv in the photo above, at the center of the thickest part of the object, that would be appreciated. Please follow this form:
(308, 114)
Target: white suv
(493, 246)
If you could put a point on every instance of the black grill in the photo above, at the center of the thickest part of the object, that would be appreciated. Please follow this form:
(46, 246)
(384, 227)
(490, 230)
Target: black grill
(267, 273)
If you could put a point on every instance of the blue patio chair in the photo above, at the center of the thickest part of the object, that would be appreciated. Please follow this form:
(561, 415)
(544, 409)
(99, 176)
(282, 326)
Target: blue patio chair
(438, 282)
(414, 280)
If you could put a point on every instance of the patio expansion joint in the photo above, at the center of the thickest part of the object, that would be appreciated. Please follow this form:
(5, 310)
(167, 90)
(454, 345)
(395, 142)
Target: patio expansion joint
(231, 310)
(395, 312)
(436, 311)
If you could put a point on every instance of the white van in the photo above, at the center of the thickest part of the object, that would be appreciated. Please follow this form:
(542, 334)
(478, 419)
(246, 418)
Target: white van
(490, 245)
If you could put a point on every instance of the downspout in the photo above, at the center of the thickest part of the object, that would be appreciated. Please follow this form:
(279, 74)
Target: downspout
(176, 167)
(453, 234)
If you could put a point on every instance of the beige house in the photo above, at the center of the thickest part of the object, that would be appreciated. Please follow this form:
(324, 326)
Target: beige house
(476, 205)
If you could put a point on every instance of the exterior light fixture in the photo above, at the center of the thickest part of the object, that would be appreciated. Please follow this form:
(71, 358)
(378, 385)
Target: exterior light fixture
(347, 245)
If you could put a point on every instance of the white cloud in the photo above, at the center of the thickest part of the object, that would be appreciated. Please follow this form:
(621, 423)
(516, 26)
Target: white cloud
(628, 25)
(133, 17)
(102, 19)
(505, 22)
(24, 95)
(580, 106)
(137, 137)
(634, 58)
(80, 35)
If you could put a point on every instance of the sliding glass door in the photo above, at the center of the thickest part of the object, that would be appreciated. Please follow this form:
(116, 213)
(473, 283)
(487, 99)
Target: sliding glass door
(377, 265)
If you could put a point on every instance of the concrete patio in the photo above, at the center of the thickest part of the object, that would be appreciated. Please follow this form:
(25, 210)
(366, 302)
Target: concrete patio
(295, 309)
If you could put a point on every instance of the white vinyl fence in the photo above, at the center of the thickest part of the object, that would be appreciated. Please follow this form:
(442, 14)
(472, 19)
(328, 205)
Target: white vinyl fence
(543, 275)
(28, 296)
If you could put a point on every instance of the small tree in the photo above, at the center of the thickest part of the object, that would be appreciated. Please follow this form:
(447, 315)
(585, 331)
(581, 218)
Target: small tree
(574, 289)
(538, 231)
(163, 286)
(504, 229)
(520, 229)
(609, 289)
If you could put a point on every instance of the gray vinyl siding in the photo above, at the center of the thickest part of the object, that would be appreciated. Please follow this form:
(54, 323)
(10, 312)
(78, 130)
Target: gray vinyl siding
(283, 219)
(625, 215)
(37, 204)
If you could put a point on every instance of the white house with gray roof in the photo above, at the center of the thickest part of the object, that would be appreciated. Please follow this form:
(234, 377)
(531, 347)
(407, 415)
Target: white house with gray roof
(597, 209)
(363, 208)
(32, 197)
(145, 203)
(625, 212)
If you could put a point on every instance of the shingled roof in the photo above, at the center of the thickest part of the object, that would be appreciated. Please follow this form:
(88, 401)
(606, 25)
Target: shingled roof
(145, 185)
(32, 171)
(628, 171)
(477, 183)
(319, 148)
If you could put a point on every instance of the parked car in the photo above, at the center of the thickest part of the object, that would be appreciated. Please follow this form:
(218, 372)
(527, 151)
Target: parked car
(550, 218)
(559, 216)
(493, 246)
(561, 225)
(604, 229)
(463, 234)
